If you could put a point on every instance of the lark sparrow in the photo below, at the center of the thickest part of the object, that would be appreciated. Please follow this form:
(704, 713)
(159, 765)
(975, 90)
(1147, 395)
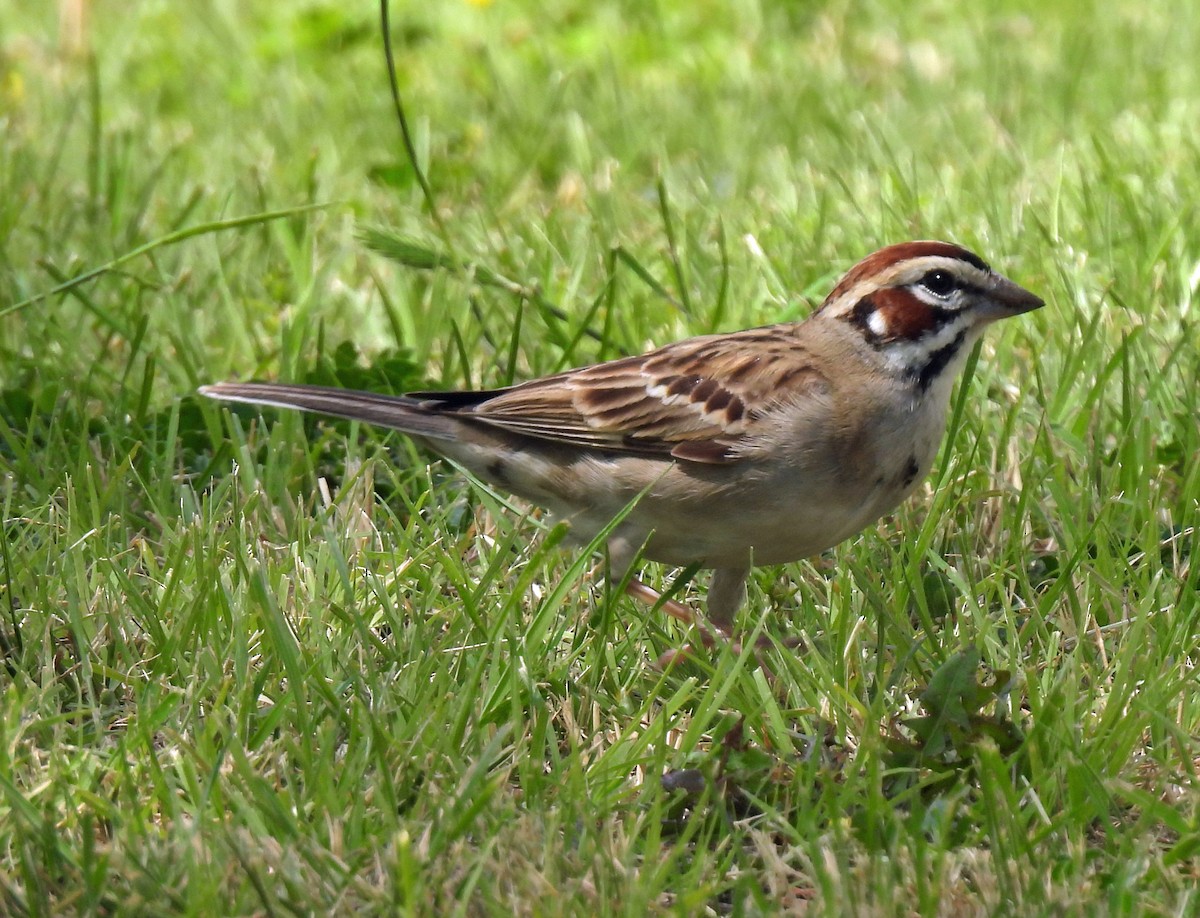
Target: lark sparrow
(755, 447)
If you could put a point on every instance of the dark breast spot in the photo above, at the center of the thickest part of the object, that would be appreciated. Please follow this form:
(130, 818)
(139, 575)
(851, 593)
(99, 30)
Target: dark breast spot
(497, 471)
(904, 478)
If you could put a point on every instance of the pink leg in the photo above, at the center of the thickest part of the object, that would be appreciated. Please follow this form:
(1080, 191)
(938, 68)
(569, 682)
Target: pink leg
(677, 610)
(733, 586)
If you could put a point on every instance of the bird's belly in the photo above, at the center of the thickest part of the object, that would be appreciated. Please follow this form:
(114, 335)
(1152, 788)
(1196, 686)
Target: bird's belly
(763, 540)
(775, 525)
(695, 513)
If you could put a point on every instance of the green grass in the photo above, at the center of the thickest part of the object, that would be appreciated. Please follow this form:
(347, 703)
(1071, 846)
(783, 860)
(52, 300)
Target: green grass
(266, 667)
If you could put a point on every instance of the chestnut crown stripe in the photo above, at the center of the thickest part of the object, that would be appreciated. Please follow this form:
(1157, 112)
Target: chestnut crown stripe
(877, 263)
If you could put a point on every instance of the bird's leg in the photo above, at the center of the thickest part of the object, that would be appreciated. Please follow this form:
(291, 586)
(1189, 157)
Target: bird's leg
(621, 554)
(726, 594)
(677, 610)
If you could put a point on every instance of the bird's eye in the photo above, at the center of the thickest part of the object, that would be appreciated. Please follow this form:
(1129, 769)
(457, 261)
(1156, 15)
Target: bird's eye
(939, 283)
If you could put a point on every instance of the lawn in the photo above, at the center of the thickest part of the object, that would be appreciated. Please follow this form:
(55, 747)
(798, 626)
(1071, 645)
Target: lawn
(259, 663)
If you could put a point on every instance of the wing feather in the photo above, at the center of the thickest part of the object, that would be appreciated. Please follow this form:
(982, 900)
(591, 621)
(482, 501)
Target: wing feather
(697, 400)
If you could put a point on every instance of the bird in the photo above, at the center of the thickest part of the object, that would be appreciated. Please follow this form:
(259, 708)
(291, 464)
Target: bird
(725, 451)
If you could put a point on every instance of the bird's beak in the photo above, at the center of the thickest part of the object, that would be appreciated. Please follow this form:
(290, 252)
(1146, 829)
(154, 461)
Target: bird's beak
(1005, 299)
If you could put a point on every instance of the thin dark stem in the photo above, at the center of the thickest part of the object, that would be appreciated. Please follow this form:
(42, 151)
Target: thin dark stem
(409, 147)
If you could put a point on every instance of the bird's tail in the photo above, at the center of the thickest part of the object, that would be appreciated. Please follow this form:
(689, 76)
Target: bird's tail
(400, 412)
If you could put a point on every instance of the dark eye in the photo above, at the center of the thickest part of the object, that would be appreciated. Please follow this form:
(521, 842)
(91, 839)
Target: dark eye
(939, 283)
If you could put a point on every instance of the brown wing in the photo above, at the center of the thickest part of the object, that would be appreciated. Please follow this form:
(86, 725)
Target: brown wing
(695, 400)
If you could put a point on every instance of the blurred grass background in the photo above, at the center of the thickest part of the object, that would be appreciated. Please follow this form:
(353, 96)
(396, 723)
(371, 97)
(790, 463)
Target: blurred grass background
(297, 666)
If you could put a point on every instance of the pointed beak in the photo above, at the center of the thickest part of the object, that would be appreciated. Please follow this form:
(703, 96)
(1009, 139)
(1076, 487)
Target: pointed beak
(1004, 299)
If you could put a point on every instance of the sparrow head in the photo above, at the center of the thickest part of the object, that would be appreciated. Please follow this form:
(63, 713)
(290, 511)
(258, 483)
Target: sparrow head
(919, 303)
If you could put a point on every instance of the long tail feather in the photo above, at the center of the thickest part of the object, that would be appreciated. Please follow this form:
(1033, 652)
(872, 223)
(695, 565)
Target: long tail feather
(399, 412)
